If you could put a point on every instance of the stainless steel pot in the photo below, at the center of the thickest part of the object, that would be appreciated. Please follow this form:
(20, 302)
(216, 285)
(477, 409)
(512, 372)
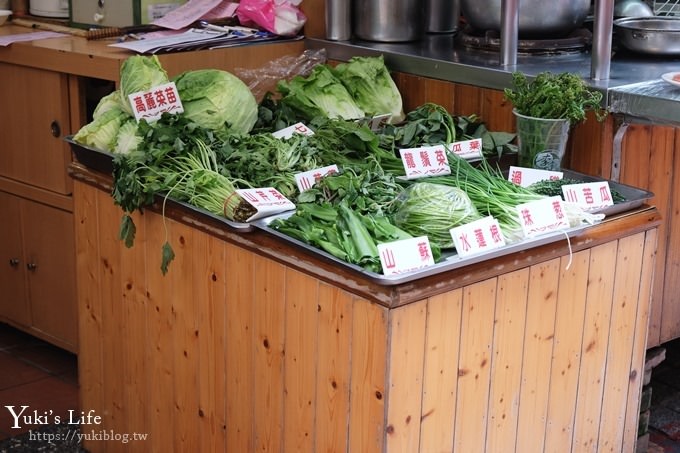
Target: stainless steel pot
(659, 35)
(536, 17)
(388, 20)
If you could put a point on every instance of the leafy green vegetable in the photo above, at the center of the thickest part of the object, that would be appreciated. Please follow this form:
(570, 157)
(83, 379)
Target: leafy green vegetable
(140, 73)
(128, 138)
(217, 100)
(432, 210)
(102, 132)
(554, 96)
(553, 187)
(319, 94)
(371, 86)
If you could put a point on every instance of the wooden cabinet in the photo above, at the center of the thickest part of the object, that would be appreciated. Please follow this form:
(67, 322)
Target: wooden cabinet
(38, 260)
(36, 269)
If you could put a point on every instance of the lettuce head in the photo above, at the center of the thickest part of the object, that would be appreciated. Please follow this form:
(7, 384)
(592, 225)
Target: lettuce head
(218, 100)
(101, 133)
(371, 86)
(140, 73)
(320, 94)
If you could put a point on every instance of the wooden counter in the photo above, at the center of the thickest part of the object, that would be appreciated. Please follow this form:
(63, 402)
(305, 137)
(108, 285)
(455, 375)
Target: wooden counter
(248, 344)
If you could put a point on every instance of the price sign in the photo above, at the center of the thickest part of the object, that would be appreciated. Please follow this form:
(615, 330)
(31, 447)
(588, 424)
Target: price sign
(590, 196)
(267, 201)
(297, 128)
(425, 161)
(542, 216)
(151, 104)
(478, 236)
(305, 180)
(467, 149)
(525, 177)
(406, 255)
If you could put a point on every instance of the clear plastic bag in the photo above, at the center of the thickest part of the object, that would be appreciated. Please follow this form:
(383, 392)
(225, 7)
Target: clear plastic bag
(264, 79)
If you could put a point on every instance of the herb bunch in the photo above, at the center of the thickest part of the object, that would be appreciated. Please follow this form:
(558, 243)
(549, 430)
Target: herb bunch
(554, 96)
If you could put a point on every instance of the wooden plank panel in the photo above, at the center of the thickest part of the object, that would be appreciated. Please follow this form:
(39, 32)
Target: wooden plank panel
(670, 312)
(110, 282)
(474, 366)
(567, 350)
(301, 297)
(210, 288)
(630, 431)
(134, 306)
(440, 379)
(538, 343)
(506, 370)
(333, 374)
(90, 356)
(185, 350)
(405, 376)
(269, 330)
(619, 354)
(594, 348)
(367, 385)
(239, 349)
(416, 91)
(160, 332)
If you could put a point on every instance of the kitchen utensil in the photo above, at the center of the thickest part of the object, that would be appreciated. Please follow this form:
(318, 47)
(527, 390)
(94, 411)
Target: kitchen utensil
(658, 35)
(388, 20)
(338, 20)
(632, 8)
(536, 17)
(442, 16)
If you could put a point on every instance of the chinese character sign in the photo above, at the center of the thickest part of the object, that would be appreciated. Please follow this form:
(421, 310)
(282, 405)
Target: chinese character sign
(406, 255)
(478, 236)
(150, 105)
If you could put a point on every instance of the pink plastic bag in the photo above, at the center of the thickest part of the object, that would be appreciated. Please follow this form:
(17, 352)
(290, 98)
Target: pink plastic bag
(281, 17)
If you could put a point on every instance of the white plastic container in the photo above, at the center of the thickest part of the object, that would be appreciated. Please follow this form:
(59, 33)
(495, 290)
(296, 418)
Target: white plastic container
(49, 8)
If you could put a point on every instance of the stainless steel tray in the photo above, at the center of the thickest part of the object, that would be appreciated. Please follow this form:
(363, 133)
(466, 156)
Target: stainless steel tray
(102, 161)
(450, 259)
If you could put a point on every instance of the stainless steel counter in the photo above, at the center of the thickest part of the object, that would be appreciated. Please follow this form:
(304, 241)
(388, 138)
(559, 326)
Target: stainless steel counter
(634, 87)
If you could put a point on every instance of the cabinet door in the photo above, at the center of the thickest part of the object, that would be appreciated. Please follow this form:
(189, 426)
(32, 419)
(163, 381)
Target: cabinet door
(34, 114)
(13, 299)
(49, 244)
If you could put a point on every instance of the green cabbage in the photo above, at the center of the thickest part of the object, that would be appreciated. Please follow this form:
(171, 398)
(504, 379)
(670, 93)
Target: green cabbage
(113, 100)
(320, 94)
(101, 133)
(218, 100)
(140, 73)
(371, 86)
(128, 138)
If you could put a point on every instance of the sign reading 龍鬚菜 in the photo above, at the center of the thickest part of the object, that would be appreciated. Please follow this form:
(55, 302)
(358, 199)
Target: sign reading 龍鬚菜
(151, 104)
(425, 161)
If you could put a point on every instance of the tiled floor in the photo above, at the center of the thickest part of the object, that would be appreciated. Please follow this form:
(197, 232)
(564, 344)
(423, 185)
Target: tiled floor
(44, 378)
(34, 374)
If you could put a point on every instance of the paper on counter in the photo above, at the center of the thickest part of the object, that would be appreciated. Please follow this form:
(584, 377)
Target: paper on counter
(9, 39)
(194, 10)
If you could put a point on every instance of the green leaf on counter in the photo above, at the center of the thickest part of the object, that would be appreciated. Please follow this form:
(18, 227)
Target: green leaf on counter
(168, 256)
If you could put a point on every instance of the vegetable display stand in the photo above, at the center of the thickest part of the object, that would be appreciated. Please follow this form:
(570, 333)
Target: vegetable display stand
(251, 344)
(542, 142)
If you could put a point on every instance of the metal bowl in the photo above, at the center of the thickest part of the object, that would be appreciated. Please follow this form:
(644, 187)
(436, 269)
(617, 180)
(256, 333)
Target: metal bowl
(650, 35)
(537, 18)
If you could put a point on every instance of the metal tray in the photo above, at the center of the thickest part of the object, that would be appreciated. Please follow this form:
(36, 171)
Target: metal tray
(634, 197)
(102, 161)
(450, 259)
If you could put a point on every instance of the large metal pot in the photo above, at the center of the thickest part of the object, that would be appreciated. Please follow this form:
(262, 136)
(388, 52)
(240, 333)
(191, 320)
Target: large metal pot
(537, 18)
(659, 35)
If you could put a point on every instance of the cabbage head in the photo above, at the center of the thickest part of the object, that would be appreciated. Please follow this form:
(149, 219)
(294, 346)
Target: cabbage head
(217, 100)
(113, 100)
(140, 73)
(102, 132)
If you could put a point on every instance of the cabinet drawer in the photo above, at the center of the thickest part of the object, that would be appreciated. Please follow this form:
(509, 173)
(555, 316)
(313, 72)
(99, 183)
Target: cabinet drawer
(34, 118)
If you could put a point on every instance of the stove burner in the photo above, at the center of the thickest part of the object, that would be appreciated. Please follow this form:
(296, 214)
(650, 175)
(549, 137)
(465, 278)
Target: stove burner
(576, 42)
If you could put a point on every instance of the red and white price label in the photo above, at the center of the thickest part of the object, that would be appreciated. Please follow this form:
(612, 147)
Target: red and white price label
(297, 128)
(542, 216)
(523, 176)
(477, 236)
(267, 201)
(467, 149)
(590, 196)
(305, 180)
(425, 161)
(406, 255)
(151, 104)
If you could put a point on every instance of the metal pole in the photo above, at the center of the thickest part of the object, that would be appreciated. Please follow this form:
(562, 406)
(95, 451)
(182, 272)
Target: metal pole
(602, 39)
(509, 32)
